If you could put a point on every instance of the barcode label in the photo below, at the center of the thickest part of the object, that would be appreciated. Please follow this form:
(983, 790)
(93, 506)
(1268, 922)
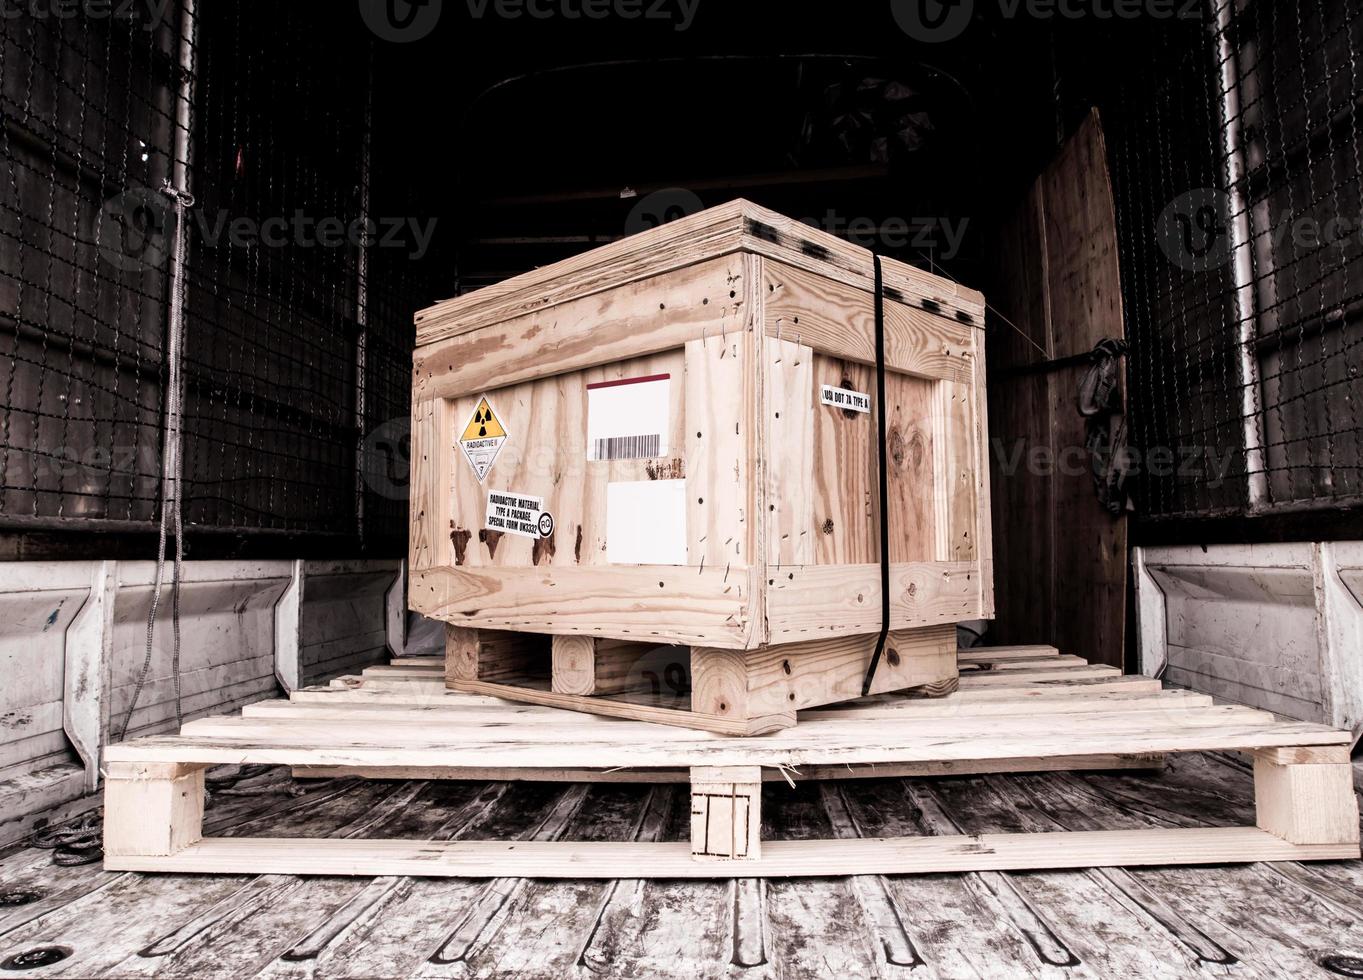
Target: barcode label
(618, 411)
(626, 447)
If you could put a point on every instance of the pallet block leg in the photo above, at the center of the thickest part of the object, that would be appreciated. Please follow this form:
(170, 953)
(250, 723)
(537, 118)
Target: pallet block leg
(721, 686)
(491, 655)
(726, 813)
(152, 809)
(461, 654)
(574, 670)
(1306, 795)
(587, 666)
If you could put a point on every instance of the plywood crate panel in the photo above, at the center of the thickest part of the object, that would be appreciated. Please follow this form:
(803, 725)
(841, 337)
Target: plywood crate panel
(741, 528)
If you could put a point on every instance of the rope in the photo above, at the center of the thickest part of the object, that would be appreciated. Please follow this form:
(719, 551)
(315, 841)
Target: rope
(74, 843)
(172, 520)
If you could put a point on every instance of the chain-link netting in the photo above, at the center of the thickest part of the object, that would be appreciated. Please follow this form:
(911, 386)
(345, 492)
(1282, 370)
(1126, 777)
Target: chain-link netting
(299, 293)
(1236, 165)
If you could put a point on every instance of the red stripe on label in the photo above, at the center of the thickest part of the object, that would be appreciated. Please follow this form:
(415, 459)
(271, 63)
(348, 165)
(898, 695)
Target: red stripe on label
(629, 381)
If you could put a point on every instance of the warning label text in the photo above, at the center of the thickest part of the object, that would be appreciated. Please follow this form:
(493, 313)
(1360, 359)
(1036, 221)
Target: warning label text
(515, 513)
(851, 401)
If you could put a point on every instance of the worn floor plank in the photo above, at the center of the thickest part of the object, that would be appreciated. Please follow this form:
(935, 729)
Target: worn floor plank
(1277, 920)
(1244, 922)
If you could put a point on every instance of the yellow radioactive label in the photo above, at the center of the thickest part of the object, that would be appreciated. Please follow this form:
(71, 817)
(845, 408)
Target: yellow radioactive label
(484, 424)
(483, 439)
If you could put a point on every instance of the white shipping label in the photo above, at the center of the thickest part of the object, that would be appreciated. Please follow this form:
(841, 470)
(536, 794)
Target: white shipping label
(852, 401)
(646, 523)
(629, 419)
(517, 513)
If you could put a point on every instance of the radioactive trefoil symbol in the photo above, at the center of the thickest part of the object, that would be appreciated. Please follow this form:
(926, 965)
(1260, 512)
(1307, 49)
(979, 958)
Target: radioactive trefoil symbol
(482, 439)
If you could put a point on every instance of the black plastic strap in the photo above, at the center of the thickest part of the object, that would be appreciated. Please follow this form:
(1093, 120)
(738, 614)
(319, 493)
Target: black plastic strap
(883, 472)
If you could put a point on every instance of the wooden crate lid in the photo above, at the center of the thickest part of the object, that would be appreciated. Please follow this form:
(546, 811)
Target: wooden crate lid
(739, 226)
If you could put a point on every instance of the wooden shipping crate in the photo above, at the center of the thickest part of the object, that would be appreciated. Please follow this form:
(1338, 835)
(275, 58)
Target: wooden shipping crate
(645, 479)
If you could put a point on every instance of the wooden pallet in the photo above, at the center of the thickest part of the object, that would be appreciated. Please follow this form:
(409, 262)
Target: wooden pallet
(730, 692)
(1019, 709)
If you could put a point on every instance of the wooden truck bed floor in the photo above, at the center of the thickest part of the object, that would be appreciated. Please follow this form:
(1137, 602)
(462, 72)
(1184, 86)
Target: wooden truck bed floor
(1257, 919)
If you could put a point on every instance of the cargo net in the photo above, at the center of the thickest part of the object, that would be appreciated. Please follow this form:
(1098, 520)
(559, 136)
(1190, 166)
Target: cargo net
(297, 321)
(1236, 167)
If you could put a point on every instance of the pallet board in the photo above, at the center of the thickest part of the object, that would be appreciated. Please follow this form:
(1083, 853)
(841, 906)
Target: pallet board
(730, 692)
(781, 859)
(1030, 721)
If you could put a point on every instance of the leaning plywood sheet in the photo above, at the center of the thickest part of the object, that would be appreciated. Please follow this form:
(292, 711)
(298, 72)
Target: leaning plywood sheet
(1058, 294)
